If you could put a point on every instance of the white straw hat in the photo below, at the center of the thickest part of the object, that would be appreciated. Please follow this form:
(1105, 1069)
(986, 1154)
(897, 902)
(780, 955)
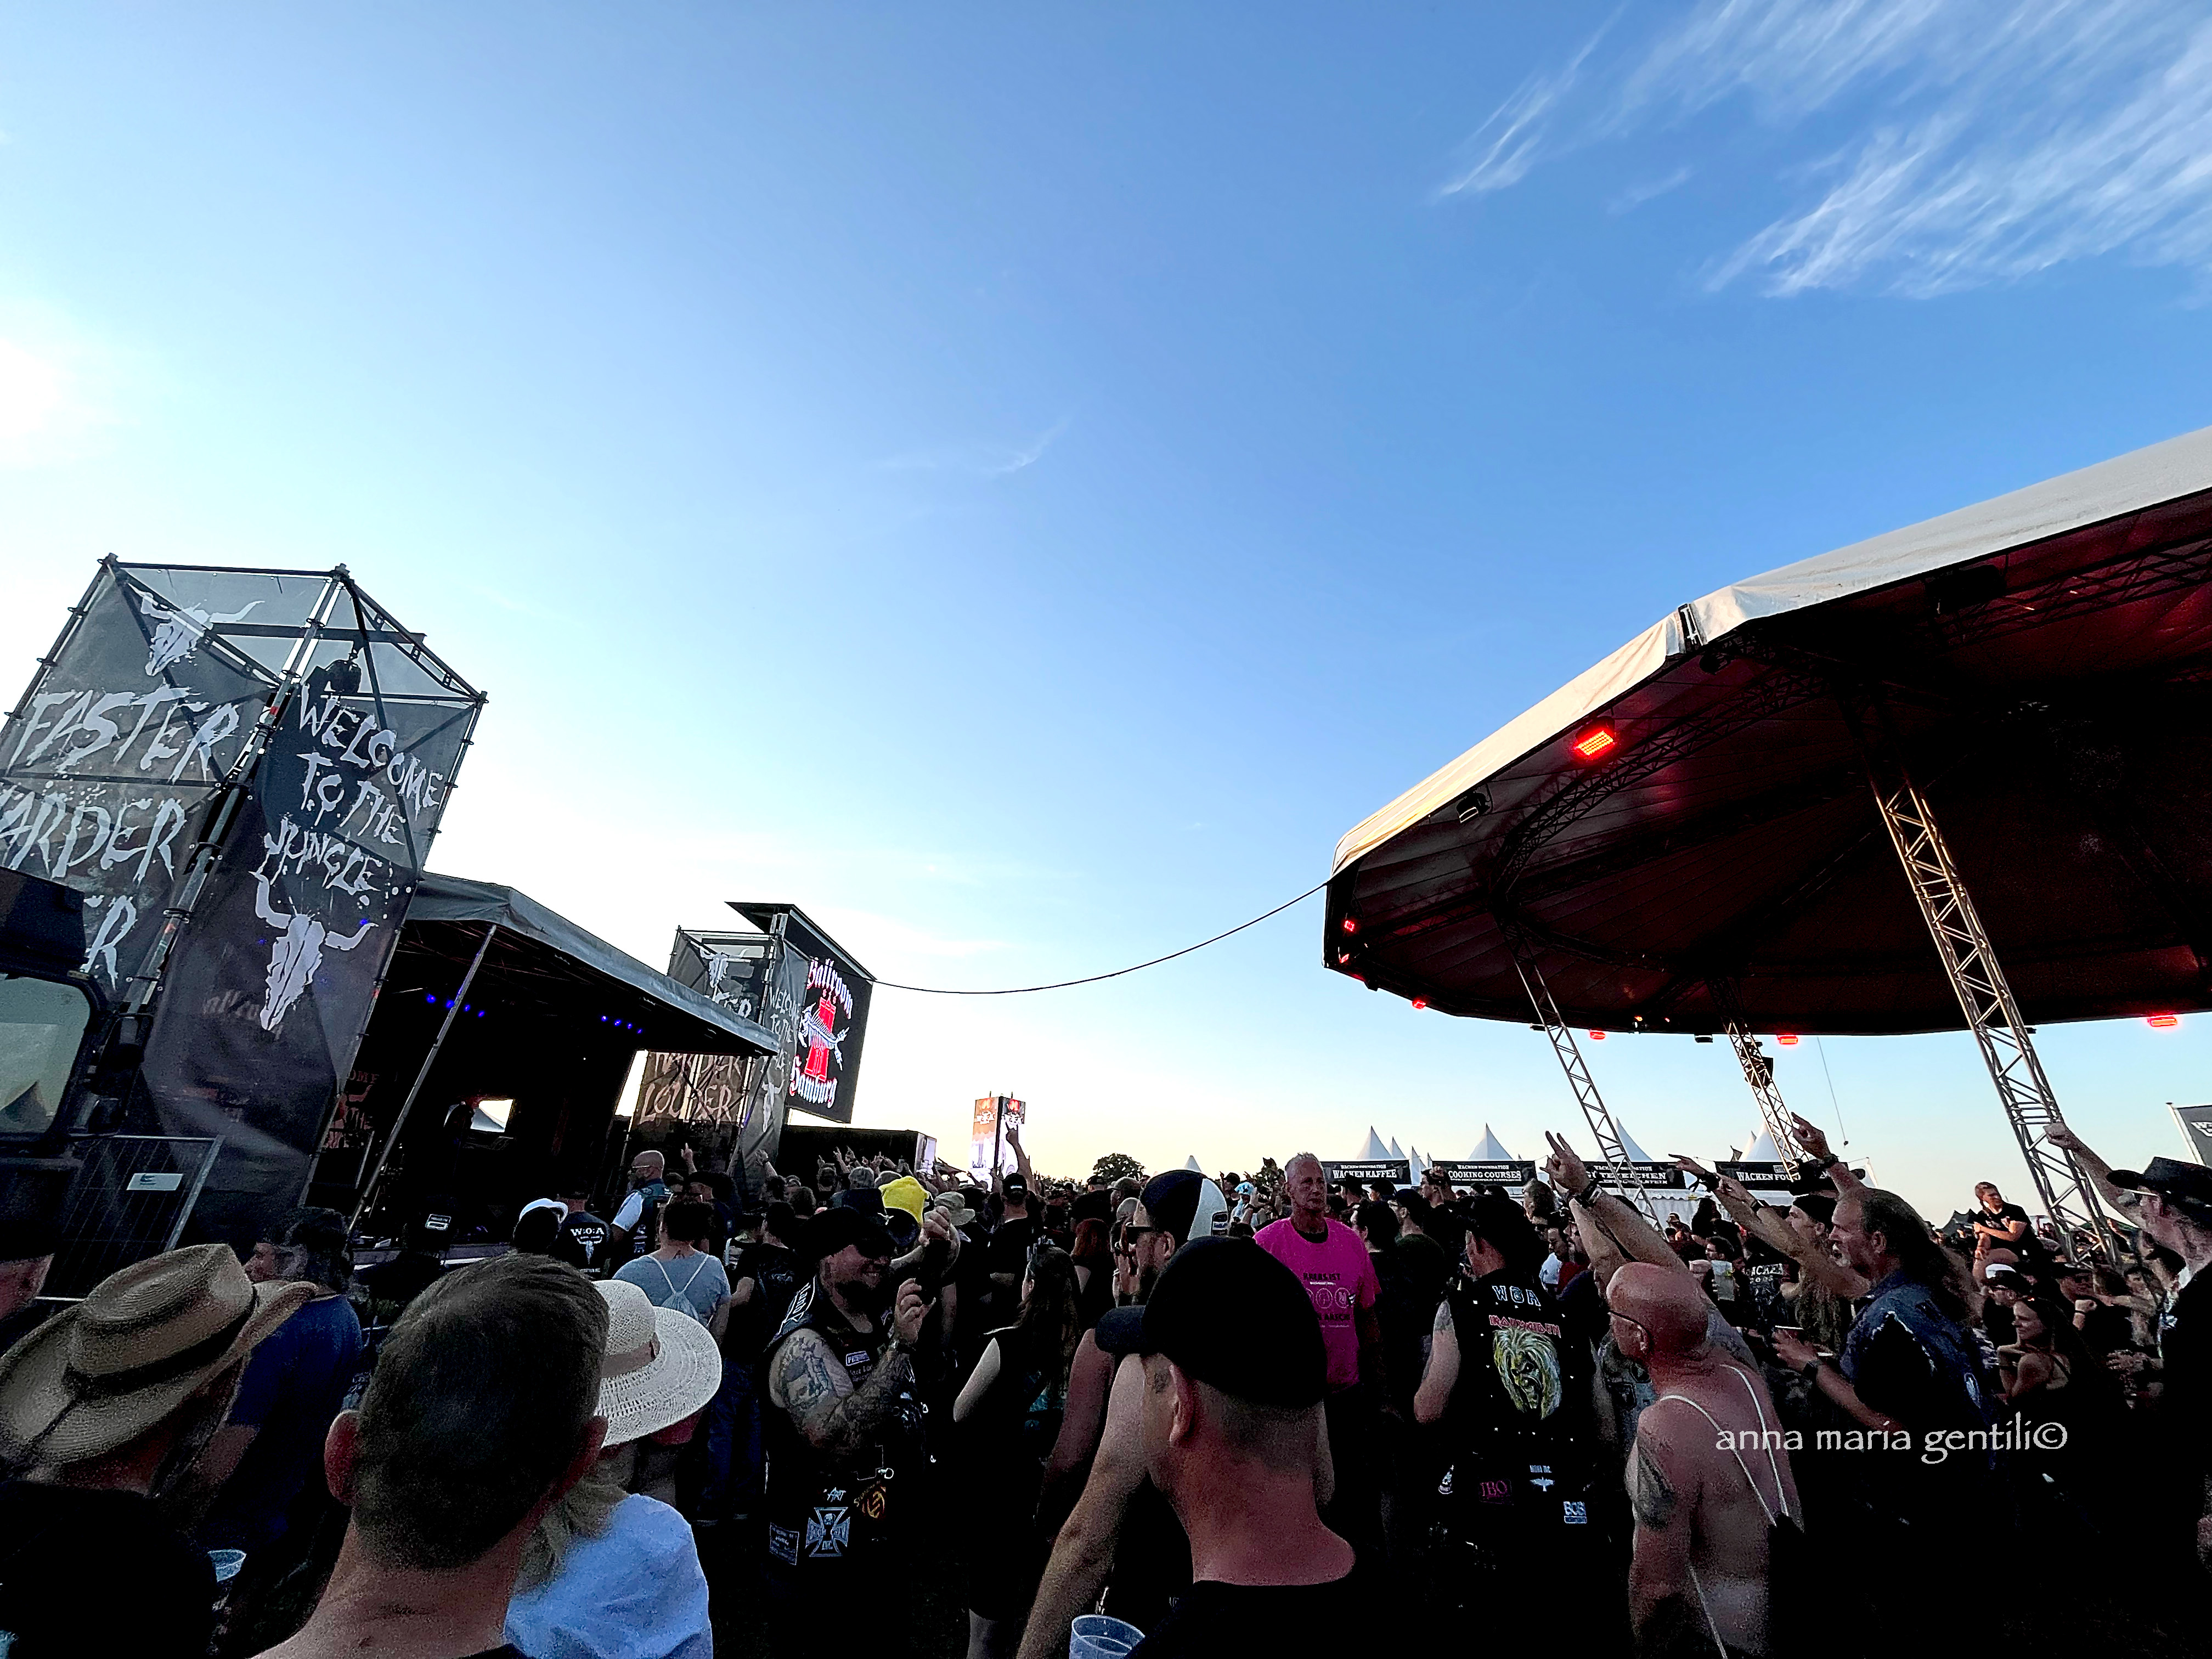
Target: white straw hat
(661, 1365)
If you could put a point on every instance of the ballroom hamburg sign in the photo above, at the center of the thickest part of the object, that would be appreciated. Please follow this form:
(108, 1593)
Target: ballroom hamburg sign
(816, 1001)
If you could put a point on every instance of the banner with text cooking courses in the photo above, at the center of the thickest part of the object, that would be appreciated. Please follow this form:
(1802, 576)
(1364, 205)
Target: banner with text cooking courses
(266, 996)
(1472, 1173)
(124, 736)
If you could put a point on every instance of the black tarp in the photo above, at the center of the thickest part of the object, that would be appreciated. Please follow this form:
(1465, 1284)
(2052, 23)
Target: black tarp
(552, 1021)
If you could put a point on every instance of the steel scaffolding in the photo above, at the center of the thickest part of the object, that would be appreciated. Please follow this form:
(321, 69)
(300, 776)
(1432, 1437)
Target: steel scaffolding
(1758, 1071)
(1611, 1150)
(1970, 963)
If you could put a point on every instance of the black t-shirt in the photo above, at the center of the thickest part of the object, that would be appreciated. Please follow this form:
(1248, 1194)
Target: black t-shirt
(778, 1273)
(1212, 1618)
(2028, 1246)
(2183, 1428)
(85, 1571)
(1009, 1253)
(1096, 1205)
(581, 1237)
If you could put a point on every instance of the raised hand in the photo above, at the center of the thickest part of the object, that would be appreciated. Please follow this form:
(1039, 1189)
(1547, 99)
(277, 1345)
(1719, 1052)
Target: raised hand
(913, 1311)
(1565, 1169)
(1694, 1168)
(1811, 1138)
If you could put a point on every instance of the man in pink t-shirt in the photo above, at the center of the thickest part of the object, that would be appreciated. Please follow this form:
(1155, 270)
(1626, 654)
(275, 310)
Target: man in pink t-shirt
(1337, 1271)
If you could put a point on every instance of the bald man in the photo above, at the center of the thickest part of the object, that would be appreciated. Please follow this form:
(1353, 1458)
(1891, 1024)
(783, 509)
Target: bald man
(639, 1218)
(1708, 1479)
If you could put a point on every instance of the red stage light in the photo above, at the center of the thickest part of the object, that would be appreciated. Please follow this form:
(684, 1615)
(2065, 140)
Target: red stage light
(1787, 1039)
(1351, 925)
(1597, 1036)
(1419, 1003)
(2162, 1022)
(1591, 744)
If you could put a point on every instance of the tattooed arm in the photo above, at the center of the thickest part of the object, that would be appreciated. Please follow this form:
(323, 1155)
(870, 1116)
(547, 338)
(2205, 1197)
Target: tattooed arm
(812, 1385)
(1442, 1373)
(1660, 1592)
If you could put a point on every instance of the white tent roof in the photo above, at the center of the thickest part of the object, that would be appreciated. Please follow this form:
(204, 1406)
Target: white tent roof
(1636, 1153)
(1759, 1149)
(1415, 1164)
(1488, 1151)
(2162, 472)
(1395, 1150)
(1374, 1151)
(1192, 1162)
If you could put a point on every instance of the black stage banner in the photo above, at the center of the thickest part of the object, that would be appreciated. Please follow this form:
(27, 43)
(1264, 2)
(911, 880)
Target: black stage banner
(731, 969)
(1508, 1172)
(816, 1001)
(268, 991)
(1397, 1170)
(126, 734)
(2197, 1124)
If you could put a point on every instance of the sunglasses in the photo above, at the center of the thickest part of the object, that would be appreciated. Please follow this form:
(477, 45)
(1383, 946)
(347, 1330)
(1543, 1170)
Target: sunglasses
(1130, 1233)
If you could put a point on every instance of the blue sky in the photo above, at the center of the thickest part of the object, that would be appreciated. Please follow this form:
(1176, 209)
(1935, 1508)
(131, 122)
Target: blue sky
(1020, 484)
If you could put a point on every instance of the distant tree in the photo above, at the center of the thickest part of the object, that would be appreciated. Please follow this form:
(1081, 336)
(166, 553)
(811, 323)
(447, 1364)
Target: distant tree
(1114, 1165)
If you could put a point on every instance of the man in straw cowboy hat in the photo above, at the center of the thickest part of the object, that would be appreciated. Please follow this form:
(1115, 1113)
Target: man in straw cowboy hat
(482, 1414)
(611, 1570)
(105, 1407)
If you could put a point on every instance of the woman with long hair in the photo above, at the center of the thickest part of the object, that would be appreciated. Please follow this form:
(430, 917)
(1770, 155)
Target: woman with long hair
(1094, 1271)
(611, 1573)
(1008, 1415)
(2068, 1409)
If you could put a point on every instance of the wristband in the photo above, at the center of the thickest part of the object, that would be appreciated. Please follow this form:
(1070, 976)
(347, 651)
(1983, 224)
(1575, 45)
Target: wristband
(1810, 1370)
(1589, 1192)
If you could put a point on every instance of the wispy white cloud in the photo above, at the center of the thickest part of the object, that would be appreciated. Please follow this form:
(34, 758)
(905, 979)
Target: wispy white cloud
(977, 459)
(1500, 152)
(1637, 195)
(1987, 139)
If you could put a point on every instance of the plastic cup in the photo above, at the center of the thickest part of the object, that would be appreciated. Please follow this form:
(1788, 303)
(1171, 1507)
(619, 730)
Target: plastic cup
(227, 1563)
(1094, 1636)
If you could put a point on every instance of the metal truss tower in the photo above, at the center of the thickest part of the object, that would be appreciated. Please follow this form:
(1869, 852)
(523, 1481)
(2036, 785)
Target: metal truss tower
(1595, 1112)
(1971, 964)
(1758, 1071)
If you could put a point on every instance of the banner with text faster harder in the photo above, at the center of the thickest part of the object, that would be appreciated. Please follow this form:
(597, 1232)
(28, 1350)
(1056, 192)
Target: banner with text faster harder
(132, 723)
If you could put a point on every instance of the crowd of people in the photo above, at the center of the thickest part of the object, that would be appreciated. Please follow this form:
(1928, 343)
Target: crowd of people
(1211, 1410)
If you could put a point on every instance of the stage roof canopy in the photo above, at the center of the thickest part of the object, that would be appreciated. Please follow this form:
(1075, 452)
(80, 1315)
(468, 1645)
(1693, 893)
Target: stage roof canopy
(546, 960)
(1696, 806)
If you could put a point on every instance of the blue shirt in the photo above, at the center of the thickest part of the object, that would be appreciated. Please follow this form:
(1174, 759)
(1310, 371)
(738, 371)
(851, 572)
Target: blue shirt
(694, 1283)
(295, 1384)
(633, 1592)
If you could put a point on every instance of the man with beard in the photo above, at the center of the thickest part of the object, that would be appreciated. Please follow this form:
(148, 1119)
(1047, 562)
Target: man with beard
(845, 1453)
(1121, 1525)
(1513, 1391)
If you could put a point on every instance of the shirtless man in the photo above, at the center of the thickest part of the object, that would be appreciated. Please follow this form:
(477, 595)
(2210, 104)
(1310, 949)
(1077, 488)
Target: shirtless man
(1704, 1512)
